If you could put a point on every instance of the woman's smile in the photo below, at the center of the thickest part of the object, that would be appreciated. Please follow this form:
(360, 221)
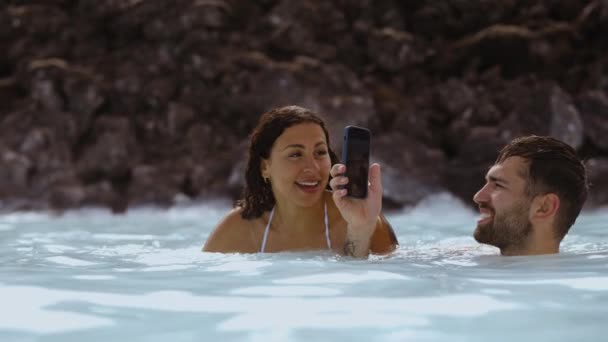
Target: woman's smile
(309, 186)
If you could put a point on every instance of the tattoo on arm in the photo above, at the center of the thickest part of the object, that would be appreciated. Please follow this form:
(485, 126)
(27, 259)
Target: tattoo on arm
(349, 248)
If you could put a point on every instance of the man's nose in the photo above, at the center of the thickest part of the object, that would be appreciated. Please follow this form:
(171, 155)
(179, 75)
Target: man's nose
(482, 195)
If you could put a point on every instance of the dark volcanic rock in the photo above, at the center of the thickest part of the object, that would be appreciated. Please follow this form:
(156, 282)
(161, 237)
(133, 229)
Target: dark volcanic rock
(144, 188)
(594, 111)
(392, 50)
(118, 103)
(465, 174)
(111, 153)
(455, 97)
(304, 28)
(331, 90)
(543, 109)
(410, 170)
(401, 113)
(598, 189)
(16, 169)
(67, 197)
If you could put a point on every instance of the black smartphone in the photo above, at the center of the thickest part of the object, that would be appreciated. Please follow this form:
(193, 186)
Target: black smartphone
(355, 155)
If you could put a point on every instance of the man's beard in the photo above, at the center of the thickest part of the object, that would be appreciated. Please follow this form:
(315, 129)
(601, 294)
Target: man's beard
(508, 229)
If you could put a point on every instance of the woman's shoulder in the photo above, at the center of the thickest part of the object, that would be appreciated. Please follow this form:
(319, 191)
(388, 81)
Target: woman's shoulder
(234, 218)
(232, 234)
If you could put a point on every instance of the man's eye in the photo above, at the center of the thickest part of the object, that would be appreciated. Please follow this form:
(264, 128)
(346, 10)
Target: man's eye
(498, 185)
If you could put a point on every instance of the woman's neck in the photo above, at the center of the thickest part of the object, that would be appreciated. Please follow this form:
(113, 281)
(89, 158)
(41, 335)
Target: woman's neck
(298, 219)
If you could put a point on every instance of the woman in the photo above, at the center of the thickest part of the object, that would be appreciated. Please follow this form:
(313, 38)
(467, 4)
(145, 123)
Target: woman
(286, 205)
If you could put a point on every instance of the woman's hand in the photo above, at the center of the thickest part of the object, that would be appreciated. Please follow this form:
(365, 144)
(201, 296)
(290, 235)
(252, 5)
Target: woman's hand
(360, 214)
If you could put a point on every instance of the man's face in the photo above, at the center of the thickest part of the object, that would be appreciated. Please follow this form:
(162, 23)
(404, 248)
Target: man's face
(504, 205)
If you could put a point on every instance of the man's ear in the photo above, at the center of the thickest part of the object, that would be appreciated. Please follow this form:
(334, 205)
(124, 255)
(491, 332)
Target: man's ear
(545, 206)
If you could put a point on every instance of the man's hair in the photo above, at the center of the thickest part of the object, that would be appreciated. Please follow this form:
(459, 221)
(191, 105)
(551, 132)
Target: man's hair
(257, 195)
(553, 167)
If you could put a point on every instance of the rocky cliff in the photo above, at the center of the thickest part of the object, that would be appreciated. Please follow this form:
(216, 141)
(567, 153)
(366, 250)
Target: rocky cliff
(127, 102)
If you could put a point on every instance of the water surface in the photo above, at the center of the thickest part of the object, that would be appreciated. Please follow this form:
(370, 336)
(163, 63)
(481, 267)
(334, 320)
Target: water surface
(92, 276)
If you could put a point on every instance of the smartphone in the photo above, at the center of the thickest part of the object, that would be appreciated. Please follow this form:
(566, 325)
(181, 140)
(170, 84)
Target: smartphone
(355, 155)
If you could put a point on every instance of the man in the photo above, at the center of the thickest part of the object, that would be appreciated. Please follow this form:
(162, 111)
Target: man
(532, 196)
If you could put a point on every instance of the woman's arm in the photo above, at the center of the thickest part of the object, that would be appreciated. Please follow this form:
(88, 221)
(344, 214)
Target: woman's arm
(384, 240)
(361, 215)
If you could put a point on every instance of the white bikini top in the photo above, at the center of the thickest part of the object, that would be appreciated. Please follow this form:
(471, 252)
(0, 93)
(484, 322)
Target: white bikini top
(270, 220)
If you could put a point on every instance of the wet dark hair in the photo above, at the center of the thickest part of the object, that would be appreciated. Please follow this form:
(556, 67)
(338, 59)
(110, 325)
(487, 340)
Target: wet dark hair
(553, 167)
(257, 195)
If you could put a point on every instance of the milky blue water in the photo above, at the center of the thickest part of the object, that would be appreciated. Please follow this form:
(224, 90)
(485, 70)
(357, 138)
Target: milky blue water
(92, 276)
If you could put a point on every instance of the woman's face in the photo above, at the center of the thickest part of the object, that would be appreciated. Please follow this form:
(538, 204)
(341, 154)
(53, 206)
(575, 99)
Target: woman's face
(298, 166)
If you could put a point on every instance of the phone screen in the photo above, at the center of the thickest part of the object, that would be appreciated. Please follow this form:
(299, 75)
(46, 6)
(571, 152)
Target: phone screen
(356, 158)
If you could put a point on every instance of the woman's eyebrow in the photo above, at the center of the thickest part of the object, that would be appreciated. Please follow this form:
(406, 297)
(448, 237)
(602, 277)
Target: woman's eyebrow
(302, 146)
(293, 145)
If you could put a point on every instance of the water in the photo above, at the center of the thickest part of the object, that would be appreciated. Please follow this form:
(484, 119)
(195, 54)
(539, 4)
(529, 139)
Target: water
(92, 276)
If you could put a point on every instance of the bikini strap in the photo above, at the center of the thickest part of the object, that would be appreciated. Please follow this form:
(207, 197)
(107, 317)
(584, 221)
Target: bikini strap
(266, 231)
(325, 220)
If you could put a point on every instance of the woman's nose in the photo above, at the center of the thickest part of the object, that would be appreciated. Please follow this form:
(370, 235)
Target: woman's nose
(312, 163)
